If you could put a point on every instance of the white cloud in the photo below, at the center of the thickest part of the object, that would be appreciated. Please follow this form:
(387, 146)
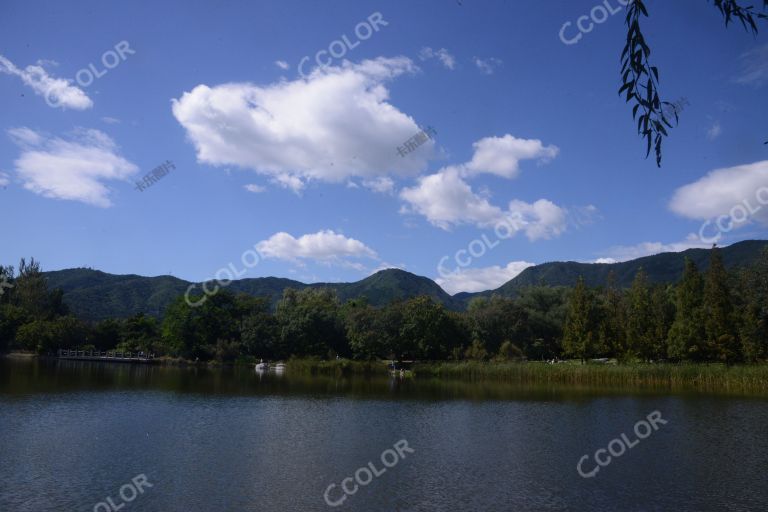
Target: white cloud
(382, 185)
(292, 183)
(448, 60)
(714, 131)
(542, 219)
(487, 66)
(56, 91)
(4, 179)
(502, 155)
(446, 200)
(334, 125)
(632, 252)
(324, 246)
(73, 169)
(282, 64)
(256, 189)
(754, 67)
(481, 279)
(739, 192)
(110, 120)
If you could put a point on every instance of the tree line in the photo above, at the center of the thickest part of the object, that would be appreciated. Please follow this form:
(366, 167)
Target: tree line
(709, 316)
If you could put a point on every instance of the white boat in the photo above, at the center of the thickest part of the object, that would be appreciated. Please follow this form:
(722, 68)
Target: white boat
(262, 366)
(279, 367)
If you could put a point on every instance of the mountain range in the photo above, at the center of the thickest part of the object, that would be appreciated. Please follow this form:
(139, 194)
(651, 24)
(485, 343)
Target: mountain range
(96, 295)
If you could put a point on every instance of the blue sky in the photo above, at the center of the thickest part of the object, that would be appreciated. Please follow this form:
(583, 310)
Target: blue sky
(306, 168)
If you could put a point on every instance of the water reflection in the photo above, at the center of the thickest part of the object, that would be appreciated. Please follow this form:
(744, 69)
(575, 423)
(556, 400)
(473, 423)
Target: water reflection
(30, 376)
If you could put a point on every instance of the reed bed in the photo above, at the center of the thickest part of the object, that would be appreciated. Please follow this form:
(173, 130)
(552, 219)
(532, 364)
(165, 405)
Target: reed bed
(336, 367)
(695, 377)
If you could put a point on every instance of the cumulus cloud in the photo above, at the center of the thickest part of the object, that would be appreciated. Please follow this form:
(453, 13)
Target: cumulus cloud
(292, 183)
(632, 252)
(73, 169)
(754, 67)
(740, 193)
(448, 60)
(57, 91)
(324, 247)
(446, 200)
(256, 189)
(381, 185)
(331, 126)
(481, 279)
(487, 66)
(502, 155)
(282, 64)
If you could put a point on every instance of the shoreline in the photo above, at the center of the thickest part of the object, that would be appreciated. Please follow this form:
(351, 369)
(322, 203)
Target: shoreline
(704, 377)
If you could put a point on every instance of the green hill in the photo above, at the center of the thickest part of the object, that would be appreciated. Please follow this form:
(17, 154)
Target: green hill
(661, 268)
(96, 295)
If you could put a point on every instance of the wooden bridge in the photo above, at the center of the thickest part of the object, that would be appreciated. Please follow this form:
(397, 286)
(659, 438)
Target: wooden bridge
(112, 356)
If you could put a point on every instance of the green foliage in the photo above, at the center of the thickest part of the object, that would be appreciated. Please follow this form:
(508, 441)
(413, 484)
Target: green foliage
(310, 323)
(580, 335)
(47, 336)
(260, 332)
(719, 326)
(640, 334)
(427, 330)
(722, 318)
(497, 320)
(476, 351)
(686, 337)
(508, 351)
(640, 79)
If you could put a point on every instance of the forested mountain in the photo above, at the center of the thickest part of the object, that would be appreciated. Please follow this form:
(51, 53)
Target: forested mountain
(96, 295)
(660, 268)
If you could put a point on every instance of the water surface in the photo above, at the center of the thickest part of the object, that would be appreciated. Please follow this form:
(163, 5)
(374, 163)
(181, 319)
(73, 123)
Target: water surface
(72, 433)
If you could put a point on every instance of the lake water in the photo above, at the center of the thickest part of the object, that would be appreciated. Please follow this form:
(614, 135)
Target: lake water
(73, 434)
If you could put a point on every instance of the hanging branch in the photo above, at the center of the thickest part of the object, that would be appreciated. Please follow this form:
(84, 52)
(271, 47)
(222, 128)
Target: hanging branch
(641, 84)
(640, 79)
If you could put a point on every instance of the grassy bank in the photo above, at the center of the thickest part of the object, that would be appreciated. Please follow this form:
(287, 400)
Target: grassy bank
(699, 377)
(336, 367)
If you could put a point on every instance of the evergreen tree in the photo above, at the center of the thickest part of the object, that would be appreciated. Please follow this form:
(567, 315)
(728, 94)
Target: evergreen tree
(719, 328)
(640, 319)
(686, 337)
(662, 316)
(753, 329)
(580, 337)
(613, 318)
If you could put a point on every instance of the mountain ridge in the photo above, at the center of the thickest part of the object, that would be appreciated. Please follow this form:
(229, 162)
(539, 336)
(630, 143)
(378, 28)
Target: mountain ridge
(96, 295)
